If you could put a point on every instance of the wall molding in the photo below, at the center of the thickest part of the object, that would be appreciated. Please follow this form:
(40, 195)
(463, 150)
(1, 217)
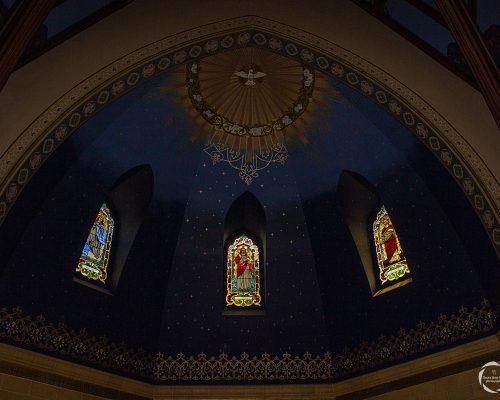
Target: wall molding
(63, 374)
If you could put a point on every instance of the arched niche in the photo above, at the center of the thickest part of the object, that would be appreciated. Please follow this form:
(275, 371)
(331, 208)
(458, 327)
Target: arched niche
(360, 204)
(128, 201)
(247, 217)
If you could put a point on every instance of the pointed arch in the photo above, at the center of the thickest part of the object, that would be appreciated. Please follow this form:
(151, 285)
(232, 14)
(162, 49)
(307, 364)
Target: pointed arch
(113, 232)
(244, 256)
(373, 233)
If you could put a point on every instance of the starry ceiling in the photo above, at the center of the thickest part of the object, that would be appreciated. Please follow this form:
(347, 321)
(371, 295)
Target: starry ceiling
(170, 295)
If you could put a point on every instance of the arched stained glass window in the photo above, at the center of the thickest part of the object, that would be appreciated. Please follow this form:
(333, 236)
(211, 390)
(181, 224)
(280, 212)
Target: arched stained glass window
(243, 273)
(93, 263)
(391, 260)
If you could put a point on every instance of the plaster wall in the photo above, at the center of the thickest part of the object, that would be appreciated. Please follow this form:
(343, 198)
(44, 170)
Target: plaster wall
(448, 375)
(33, 88)
(462, 386)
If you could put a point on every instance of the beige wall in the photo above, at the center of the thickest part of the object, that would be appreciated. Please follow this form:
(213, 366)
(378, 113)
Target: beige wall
(15, 388)
(451, 374)
(36, 86)
(462, 386)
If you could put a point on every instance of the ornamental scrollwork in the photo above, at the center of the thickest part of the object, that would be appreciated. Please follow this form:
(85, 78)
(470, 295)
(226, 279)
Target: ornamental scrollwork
(37, 334)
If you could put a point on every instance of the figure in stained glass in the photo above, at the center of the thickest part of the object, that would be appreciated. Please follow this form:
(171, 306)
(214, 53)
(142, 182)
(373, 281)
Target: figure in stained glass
(243, 271)
(391, 260)
(93, 263)
(243, 279)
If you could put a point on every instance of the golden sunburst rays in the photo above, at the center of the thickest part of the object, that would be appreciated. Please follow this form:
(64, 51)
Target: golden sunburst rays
(249, 105)
(259, 104)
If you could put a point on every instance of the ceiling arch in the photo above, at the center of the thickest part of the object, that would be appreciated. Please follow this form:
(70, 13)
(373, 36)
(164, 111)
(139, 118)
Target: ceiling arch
(52, 127)
(294, 195)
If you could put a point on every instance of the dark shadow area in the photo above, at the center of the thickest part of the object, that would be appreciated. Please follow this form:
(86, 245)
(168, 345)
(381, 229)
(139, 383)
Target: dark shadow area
(128, 201)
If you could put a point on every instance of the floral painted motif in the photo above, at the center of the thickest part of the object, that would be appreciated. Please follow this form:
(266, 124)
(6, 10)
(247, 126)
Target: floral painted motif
(180, 57)
(61, 132)
(395, 107)
(148, 70)
(35, 160)
(211, 46)
(118, 87)
(243, 38)
(60, 340)
(422, 130)
(307, 55)
(366, 87)
(89, 108)
(275, 44)
(337, 70)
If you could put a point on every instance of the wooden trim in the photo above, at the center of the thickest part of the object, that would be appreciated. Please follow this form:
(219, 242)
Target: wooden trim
(420, 43)
(474, 51)
(429, 11)
(72, 30)
(427, 48)
(18, 31)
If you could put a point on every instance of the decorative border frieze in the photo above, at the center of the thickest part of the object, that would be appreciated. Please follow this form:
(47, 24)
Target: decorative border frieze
(59, 340)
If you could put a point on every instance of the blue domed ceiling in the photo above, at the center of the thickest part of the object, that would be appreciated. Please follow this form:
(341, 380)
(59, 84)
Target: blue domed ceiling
(171, 294)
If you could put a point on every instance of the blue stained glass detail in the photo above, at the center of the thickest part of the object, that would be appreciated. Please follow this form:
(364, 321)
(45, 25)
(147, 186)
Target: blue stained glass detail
(93, 263)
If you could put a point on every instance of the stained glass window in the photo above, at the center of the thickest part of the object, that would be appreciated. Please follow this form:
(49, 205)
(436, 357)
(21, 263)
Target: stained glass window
(391, 260)
(93, 263)
(243, 279)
